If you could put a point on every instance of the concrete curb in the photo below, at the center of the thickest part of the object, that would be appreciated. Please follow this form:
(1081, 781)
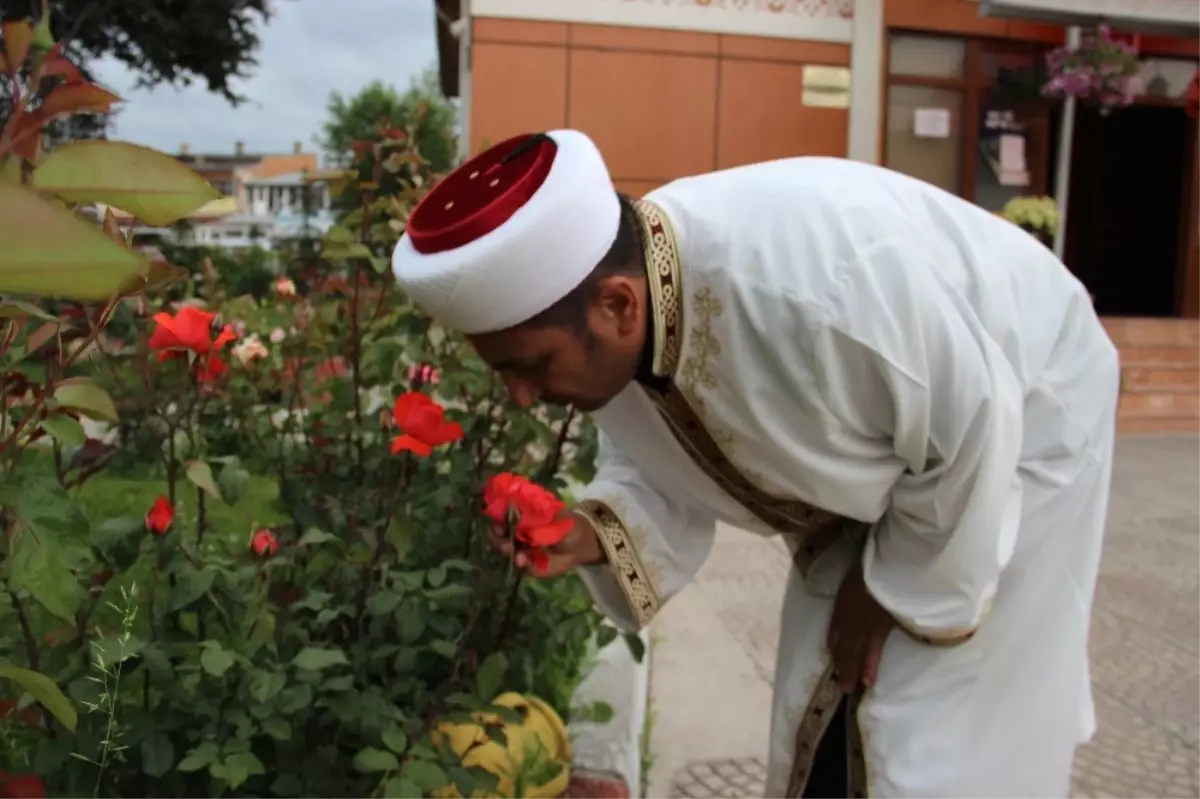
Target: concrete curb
(611, 752)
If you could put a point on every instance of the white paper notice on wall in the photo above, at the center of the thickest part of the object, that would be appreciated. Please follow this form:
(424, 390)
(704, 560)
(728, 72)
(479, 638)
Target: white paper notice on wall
(1013, 171)
(931, 123)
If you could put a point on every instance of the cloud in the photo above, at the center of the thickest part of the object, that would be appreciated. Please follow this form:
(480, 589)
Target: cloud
(309, 49)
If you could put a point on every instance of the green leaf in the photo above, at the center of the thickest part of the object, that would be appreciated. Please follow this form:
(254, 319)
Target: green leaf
(152, 186)
(216, 661)
(277, 728)
(295, 698)
(158, 754)
(81, 394)
(436, 576)
(346, 252)
(426, 775)
(233, 483)
(287, 785)
(237, 768)
(203, 755)
(48, 250)
(190, 585)
(314, 659)
(65, 431)
(372, 759)
(410, 621)
(637, 647)
(43, 689)
(596, 712)
(313, 536)
(201, 474)
(446, 649)
(450, 594)
(395, 739)
(40, 564)
(266, 684)
(383, 603)
(400, 788)
(43, 39)
(490, 676)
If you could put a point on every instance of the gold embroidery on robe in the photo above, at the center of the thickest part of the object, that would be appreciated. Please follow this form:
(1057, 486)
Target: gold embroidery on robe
(682, 404)
(683, 408)
(941, 638)
(822, 704)
(623, 558)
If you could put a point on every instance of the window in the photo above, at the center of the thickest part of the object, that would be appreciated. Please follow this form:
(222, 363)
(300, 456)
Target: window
(966, 115)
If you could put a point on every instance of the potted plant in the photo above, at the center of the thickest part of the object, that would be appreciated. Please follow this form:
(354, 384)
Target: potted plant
(1037, 216)
(1100, 71)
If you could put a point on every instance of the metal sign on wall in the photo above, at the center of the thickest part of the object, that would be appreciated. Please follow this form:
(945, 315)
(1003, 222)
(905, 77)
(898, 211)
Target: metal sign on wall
(813, 20)
(825, 87)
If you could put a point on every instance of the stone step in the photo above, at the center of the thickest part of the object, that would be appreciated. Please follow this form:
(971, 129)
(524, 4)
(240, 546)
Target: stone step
(1129, 332)
(1170, 356)
(1167, 380)
(1159, 405)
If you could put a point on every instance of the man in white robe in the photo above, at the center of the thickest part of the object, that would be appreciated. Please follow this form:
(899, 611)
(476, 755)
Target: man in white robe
(914, 393)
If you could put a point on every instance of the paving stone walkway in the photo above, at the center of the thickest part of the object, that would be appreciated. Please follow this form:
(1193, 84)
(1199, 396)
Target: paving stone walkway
(1145, 647)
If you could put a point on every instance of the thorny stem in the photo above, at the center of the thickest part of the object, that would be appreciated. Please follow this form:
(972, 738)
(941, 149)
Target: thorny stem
(31, 648)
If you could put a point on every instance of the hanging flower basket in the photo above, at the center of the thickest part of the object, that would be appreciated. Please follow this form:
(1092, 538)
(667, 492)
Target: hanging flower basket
(1101, 71)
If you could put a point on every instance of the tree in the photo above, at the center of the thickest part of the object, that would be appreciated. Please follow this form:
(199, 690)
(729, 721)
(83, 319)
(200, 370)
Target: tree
(358, 118)
(164, 41)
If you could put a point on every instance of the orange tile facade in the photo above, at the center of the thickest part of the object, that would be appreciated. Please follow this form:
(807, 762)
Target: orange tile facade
(660, 104)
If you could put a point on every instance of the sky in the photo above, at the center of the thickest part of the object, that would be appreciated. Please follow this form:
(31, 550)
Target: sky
(308, 49)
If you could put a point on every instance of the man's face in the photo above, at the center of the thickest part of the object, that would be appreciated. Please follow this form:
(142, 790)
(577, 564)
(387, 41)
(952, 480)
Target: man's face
(584, 365)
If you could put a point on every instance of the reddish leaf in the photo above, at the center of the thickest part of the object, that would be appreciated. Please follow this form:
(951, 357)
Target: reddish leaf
(17, 36)
(57, 66)
(76, 98)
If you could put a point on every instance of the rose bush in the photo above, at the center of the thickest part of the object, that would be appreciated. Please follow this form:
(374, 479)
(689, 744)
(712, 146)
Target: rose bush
(311, 649)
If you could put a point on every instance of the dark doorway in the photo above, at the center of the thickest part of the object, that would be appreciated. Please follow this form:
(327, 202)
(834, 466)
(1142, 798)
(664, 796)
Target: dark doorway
(1126, 207)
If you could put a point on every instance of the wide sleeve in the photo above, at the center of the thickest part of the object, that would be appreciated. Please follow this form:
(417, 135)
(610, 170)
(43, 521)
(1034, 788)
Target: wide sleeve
(655, 546)
(908, 367)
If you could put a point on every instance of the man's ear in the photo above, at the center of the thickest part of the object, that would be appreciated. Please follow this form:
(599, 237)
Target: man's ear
(617, 299)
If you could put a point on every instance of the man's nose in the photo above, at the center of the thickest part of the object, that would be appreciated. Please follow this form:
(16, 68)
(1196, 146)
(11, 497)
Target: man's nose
(522, 392)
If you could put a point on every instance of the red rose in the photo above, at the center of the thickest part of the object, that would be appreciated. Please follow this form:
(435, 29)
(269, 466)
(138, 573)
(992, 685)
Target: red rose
(160, 516)
(422, 423)
(538, 513)
(190, 330)
(21, 786)
(264, 543)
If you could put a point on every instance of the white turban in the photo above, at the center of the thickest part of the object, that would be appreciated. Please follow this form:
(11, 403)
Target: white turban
(509, 233)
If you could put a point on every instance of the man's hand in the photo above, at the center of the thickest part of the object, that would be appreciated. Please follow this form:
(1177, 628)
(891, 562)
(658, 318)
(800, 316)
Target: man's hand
(580, 547)
(857, 632)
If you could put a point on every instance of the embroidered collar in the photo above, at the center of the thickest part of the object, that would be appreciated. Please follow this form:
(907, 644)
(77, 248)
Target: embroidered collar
(664, 336)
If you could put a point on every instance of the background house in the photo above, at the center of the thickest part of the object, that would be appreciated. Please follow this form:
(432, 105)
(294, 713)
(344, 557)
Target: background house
(269, 198)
